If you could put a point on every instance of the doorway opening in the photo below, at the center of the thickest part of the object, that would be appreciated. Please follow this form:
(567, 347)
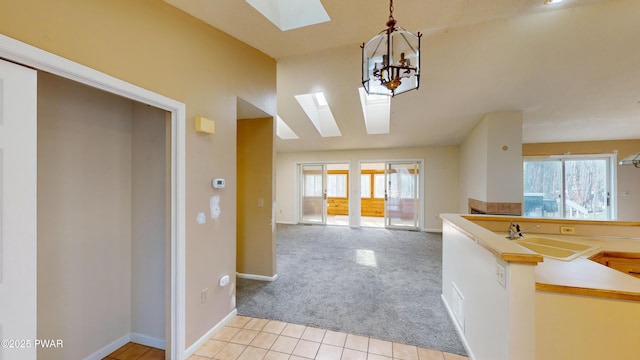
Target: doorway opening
(389, 194)
(35, 58)
(103, 210)
(324, 193)
(372, 194)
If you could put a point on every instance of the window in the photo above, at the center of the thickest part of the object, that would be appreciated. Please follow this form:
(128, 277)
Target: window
(378, 186)
(313, 185)
(365, 186)
(337, 185)
(574, 187)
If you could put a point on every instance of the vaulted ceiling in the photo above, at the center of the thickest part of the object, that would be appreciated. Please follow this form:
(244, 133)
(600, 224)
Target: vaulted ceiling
(571, 68)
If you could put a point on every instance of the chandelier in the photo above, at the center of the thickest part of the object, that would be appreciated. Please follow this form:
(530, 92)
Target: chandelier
(391, 60)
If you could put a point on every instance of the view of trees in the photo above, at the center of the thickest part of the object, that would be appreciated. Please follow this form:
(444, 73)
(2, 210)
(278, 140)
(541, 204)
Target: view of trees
(580, 182)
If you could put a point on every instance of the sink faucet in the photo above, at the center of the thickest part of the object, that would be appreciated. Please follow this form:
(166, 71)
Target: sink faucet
(515, 232)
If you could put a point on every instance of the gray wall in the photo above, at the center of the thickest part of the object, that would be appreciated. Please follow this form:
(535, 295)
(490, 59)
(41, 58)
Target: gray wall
(89, 232)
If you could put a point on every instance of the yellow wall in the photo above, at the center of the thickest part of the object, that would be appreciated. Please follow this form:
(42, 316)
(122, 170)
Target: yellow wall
(628, 186)
(256, 236)
(153, 45)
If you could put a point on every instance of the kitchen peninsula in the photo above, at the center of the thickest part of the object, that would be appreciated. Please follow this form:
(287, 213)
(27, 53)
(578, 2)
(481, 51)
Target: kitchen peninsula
(509, 302)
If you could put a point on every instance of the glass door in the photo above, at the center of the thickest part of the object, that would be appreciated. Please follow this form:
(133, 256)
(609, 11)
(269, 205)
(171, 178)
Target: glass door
(586, 190)
(543, 184)
(402, 206)
(573, 187)
(313, 194)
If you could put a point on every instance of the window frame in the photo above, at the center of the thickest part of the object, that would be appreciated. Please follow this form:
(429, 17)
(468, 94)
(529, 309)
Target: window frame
(340, 173)
(611, 180)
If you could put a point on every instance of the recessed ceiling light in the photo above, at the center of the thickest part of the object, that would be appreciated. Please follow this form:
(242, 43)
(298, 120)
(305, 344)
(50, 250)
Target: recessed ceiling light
(291, 14)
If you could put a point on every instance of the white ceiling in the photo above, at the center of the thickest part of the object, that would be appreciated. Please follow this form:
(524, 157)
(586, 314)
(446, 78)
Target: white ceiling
(573, 69)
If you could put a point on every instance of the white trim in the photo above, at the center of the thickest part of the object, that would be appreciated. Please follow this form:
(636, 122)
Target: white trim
(196, 345)
(28, 55)
(148, 341)
(286, 222)
(257, 277)
(458, 329)
(421, 188)
(131, 337)
(433, 231)
(102, 353)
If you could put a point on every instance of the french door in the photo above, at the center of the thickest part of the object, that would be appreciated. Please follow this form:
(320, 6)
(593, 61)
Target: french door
(313, 193)
(402, 197)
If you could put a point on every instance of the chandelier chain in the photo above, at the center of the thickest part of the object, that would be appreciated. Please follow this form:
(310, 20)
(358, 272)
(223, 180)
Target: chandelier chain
(390, 9)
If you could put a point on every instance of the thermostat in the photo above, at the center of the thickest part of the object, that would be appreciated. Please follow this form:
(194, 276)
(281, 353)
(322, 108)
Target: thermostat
(218, 183)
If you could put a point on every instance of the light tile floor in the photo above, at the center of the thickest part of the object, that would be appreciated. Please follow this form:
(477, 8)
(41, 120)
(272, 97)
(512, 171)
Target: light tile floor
(246, 338)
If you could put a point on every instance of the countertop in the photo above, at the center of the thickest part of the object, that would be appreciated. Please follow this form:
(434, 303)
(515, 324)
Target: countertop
(582, 276)
(579, 276)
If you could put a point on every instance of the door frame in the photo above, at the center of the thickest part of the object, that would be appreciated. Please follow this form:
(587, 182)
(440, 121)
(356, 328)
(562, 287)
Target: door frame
(298, 184)
(418, 217)
(300, 195)
(24, 54)
(421, 189)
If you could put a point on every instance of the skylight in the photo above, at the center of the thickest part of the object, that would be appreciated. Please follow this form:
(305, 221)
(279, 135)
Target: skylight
(320, 115)
(322, 101)
(377, 112)
(283, 130)
(291, 14)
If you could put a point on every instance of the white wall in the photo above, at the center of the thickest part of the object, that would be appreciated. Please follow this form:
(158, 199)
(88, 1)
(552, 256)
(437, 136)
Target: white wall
(440, 171)
(491, 160)
(496, 322)
(504, 151)
(87, 258)
(473, 163)
(628, 193)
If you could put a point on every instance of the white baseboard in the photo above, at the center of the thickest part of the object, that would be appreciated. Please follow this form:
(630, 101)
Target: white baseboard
(458, 329)
(131, 337)
(433, 230)
(148, 341)
(286, 222)
(102, 353)
(257, 277)
(210, 333)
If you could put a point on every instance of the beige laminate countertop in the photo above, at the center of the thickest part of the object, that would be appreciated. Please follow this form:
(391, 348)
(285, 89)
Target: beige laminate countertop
(582, 276)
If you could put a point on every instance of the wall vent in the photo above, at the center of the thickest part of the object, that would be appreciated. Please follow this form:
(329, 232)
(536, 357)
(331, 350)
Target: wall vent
(457, 306)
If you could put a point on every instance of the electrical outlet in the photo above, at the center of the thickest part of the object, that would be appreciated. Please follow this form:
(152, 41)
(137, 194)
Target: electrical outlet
(567, 230)
(203, 295)
(501, 275)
